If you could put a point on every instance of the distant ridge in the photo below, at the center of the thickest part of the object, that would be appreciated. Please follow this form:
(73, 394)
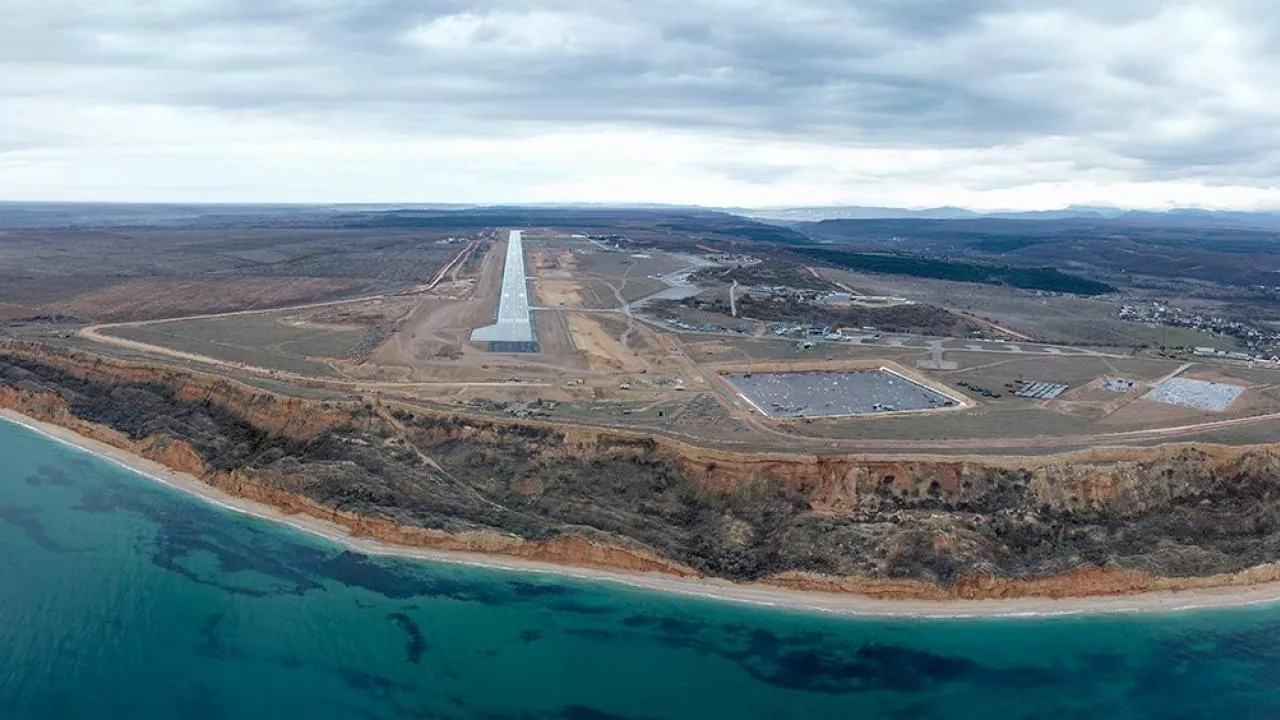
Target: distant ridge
(14, 214)
(1180, 216)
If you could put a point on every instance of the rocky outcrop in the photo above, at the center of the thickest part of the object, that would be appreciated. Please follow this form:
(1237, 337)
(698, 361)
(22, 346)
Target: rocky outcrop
(1103, 522)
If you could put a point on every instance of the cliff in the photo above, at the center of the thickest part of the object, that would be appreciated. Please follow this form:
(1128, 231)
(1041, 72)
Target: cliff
(1104, 522)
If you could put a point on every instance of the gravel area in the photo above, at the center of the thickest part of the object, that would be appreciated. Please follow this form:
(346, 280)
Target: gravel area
(1195, 393)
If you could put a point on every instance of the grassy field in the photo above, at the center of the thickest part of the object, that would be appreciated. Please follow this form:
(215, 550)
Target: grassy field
(617, 264)
(228, 353)
(1056, 319)
(993, 371)
(1017, 419)
(263, 340)
(738, 350)
(269, 332)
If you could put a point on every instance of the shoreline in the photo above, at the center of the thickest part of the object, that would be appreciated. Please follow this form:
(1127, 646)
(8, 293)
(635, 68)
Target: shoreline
(763, 595)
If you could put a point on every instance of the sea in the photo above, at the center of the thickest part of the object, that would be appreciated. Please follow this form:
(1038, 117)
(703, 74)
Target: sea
(123, 598)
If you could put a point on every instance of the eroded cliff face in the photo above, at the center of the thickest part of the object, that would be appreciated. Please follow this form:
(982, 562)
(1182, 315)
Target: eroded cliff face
(1094, 523)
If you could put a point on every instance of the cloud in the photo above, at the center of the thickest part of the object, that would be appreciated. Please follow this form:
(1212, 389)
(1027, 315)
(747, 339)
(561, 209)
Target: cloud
(907, 102)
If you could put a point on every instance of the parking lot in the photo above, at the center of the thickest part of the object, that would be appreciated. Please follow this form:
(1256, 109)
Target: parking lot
(836, 394)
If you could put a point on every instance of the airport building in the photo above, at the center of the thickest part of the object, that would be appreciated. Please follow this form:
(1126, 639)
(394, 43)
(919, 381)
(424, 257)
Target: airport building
(512, 330)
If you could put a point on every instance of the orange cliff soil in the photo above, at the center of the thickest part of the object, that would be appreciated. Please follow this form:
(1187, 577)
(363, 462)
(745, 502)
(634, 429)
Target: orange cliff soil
(1079, 583)
(834, 485)
(178, 456)
(298, 418)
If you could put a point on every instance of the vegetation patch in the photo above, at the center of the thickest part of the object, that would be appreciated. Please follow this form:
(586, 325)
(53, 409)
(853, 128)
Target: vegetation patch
(1047, 279)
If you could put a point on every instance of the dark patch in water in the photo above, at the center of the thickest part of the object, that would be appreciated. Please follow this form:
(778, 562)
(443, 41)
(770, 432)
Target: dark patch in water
(533, 590)
(579, 712)
(1242, 662)
(401, 581)
(199, 703)
(577, 608)
(675, 625)
(354, 570)
(914, 711)
(187, 527)
(174, 567)
(235, 552)
(48, 475)
(828, 668)
(28, 521)
(404, 580)
(417, 644)
(529, 636)
(815, 662)
(680, 626)
(108, 495)
(568, 712)
(210, 641)
(593, 634)
(373, 685)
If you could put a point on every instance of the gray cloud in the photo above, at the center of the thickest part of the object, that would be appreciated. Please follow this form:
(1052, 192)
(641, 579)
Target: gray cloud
(1169, 89)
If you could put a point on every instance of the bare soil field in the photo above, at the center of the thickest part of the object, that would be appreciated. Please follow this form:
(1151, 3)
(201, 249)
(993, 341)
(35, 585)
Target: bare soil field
(553, 258)
(604, 352)
(437, 330)
(1255, 400)
(555, 339)
(558, 293)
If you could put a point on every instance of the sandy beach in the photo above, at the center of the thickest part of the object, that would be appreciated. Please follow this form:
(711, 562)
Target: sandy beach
(756, 594)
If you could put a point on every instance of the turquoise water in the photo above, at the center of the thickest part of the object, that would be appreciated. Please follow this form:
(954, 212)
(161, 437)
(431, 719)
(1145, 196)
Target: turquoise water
(121, 598)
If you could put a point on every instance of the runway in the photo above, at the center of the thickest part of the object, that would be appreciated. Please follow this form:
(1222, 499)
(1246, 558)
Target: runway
(513, 324)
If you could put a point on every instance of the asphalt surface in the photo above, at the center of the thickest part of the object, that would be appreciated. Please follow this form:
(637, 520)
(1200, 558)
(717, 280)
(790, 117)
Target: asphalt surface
(513, 324)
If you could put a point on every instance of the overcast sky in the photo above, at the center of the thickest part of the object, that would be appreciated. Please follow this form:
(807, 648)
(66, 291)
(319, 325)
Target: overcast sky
(910, 103)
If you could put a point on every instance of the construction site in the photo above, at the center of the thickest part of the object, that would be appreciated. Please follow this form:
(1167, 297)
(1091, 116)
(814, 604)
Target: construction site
(536, 322)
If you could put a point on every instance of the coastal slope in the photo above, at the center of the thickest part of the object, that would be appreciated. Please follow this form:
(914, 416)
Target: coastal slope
(1104, 523)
